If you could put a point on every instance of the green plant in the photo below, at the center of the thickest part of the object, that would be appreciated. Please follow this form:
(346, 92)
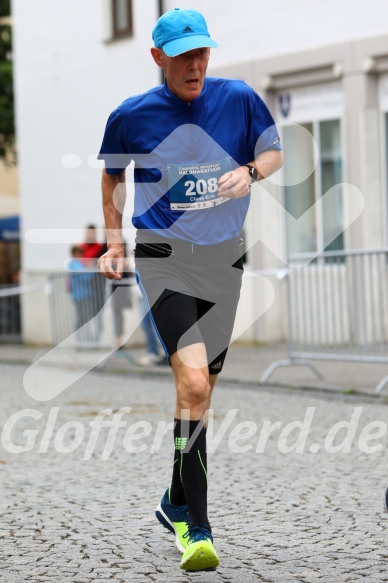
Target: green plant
(7, 123)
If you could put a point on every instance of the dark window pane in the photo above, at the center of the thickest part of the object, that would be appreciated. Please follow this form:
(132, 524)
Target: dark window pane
(331, 175)
(122, 18)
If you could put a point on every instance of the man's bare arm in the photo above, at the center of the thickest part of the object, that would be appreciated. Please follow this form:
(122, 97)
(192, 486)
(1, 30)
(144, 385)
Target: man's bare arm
(236, 184)
(114, 195)
(268, 162)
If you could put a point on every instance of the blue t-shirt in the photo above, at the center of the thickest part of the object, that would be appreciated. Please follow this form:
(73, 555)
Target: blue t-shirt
(80, 280)
(180, 149)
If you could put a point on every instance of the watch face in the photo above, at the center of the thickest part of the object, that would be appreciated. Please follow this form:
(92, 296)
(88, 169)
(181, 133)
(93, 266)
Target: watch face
(253, 172)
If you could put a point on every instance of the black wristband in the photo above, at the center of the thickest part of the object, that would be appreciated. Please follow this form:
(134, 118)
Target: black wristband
(253, 173)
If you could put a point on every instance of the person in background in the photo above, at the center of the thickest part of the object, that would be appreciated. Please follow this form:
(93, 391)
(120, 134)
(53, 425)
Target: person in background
(81, 290)
(91, 251)
(154, 354)
(121, 298)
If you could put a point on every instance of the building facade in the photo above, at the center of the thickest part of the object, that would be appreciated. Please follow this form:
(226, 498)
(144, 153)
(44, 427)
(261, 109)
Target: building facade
(322, 68)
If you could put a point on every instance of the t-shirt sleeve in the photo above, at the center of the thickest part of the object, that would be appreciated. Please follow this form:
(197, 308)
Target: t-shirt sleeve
(113, 148)
(263, 134)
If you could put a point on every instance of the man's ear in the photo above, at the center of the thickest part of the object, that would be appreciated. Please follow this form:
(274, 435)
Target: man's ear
(157, 56)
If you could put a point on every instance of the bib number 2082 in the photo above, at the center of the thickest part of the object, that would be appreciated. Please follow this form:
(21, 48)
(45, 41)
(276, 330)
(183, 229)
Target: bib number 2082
(201, 187)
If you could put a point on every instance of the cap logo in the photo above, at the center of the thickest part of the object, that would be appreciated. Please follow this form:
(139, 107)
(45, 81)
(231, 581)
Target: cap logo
(187, 29)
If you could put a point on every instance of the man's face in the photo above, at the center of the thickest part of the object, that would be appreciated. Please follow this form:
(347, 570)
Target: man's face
(185, 74)
(90, 235)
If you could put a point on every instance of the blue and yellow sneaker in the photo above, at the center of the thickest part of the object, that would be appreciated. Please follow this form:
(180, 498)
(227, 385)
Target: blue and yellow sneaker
(176, 518)
(200, 554)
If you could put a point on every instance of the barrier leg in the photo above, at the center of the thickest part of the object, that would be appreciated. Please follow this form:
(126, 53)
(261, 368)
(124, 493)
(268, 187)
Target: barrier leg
(290, 362)
(117, 354)
(381, 385)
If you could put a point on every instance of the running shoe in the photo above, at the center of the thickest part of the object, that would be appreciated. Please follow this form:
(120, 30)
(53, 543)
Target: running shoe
(200, 554)
(386, 500)
(148, 359)
(175, 518)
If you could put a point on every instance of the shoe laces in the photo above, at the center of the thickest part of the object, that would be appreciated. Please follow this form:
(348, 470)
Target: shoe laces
(197, 533)
(184, 512)
(187, 533)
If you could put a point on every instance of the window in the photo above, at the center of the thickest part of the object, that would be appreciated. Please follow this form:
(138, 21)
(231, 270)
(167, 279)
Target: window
(331, 174)
(301, 237)
(313, 165)
(383, 107)
(319, 232)
(122, 18)
(385, 165)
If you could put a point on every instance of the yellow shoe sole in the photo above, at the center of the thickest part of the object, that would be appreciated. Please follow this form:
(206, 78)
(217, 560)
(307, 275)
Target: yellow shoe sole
(200, 556)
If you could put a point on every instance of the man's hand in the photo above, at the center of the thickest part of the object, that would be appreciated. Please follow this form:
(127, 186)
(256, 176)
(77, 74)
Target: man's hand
(111, 264)
(235, 184)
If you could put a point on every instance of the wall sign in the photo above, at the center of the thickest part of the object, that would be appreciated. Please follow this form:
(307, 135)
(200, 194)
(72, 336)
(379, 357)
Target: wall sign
(315, 102)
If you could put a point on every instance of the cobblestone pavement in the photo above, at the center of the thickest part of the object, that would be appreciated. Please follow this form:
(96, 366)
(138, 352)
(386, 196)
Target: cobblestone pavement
(276, 516)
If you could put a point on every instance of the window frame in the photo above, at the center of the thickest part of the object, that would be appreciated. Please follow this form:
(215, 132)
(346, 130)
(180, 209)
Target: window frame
(383, 114)
(317, 177)
(118, 33)
(383, 119)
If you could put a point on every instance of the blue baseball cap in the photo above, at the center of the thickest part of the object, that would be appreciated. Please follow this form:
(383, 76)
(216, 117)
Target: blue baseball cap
(179, 31)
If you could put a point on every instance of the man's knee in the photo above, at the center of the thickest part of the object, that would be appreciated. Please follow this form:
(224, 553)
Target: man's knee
(193, 388)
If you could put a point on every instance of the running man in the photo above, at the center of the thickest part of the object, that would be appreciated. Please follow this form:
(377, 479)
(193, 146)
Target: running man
(198, 143)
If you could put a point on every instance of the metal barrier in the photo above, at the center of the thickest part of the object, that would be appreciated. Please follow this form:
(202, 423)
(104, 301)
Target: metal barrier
(337, 309)
(10, 318)
(80, 312)
(10, 310)
(76, 310)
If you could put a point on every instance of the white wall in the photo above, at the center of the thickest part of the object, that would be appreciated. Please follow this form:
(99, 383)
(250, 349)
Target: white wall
(251, 29)
(67, 82)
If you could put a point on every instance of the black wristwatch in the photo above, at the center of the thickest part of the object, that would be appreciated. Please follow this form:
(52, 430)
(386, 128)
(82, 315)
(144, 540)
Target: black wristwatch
(253, 173)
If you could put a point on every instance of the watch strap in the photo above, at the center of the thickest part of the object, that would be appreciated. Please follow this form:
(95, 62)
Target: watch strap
(253, 173)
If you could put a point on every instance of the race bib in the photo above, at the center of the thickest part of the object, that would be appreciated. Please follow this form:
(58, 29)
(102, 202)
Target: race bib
(195, 187)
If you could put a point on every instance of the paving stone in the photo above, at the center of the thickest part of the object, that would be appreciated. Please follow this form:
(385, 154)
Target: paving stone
(276, 517)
